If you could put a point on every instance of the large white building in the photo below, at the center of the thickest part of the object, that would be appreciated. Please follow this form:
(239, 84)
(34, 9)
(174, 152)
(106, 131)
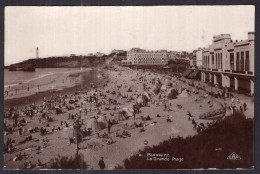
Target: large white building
(137, 56)
(230, 63)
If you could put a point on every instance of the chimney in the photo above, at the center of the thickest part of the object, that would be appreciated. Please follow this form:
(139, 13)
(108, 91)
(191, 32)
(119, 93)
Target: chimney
(251, 36)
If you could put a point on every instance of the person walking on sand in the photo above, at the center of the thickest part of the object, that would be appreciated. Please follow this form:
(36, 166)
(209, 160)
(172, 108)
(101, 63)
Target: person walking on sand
(189, 114)
(101, 164)
(109, 126)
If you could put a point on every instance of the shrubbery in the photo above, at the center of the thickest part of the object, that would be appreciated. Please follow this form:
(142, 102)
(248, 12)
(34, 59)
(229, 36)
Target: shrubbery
(208, 149)
(65, 162)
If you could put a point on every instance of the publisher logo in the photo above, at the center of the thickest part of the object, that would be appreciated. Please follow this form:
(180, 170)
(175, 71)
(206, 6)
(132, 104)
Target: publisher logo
(234, 156)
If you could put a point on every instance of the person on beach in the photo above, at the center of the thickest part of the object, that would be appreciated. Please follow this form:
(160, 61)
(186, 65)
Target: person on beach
(238, 100)
(189, 114)
(101, 163)
(109, 126)
(39, 163)
(232, 100)
(244, 106)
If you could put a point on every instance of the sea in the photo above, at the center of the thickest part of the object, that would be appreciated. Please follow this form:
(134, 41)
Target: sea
(12, 78)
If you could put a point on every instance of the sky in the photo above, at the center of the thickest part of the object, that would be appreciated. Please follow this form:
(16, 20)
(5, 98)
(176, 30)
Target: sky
(61, 31)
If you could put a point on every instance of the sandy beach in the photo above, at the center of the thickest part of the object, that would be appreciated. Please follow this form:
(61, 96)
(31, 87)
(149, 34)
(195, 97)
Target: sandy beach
(115, 93)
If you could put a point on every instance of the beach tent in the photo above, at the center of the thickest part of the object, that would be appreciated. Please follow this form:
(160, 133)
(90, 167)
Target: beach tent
(163, 88)
(93, 124)
(170, 84)
(158, 82)
(140, 100)
(184, 93)
(155, 89)
(167, 82)
(67, 132)
(127, 112)
(50, 104)
(102, 122)
(117, 117)
(76, 129)
(171, 94)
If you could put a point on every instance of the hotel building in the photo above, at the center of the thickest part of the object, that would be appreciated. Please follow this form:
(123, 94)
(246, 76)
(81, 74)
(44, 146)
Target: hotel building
(229, 63)
(137, 56)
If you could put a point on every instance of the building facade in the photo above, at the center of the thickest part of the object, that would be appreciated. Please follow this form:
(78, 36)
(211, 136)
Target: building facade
(199, 58)
(230, 64)
(138, 56)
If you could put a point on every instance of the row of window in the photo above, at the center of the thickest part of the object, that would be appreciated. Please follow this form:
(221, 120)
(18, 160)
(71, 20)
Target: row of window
(242, 61)
(148, 59)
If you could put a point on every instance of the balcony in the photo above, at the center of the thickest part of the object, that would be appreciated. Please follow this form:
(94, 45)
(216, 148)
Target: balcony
(239, 72)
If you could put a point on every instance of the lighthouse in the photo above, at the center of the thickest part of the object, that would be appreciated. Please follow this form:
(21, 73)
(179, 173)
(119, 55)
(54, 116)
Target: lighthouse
(37, 53)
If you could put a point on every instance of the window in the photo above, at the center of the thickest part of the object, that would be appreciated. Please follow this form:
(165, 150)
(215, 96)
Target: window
(242, 68)
(247, 63)
(231, 61)
(220, 60)
(237, 62)
(207, 61)
(212, 57)
(217, 61)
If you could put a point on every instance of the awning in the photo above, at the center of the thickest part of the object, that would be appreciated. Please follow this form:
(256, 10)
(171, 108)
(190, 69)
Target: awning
(186, 73)
(194, 74)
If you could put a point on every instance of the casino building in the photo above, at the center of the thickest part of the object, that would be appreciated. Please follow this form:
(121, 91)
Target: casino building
(229, 63)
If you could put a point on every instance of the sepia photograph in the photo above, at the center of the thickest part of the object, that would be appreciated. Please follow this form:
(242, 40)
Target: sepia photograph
(129, 87)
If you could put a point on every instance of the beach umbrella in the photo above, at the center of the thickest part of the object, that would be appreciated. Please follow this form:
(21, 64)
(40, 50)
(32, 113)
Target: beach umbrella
(184, 93)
